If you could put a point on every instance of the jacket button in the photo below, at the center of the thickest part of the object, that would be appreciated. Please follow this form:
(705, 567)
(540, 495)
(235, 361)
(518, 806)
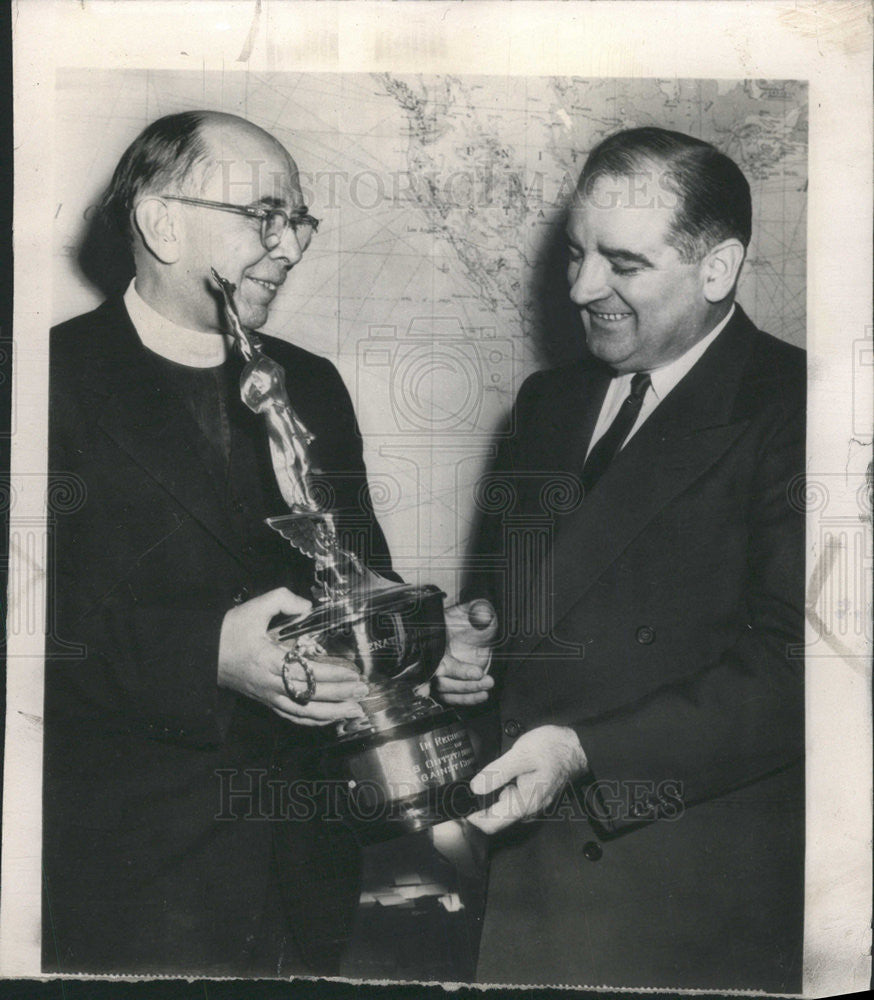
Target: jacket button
(241, 596)
(513, 728)
(645, 635)
(593, 851)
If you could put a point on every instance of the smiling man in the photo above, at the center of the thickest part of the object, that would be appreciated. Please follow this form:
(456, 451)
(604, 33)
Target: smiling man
(649, 829)
(173, 746)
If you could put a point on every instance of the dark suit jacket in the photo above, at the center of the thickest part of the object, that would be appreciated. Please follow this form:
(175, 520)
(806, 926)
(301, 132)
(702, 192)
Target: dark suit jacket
(158, 854)
(661, 617)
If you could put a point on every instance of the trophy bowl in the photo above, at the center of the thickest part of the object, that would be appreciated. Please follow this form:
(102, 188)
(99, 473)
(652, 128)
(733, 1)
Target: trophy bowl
(406, 764)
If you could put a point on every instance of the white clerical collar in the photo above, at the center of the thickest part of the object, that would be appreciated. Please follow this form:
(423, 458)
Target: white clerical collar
(664, 379)
(193, 348)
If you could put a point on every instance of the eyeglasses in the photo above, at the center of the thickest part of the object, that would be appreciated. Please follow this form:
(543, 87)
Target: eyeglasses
(274, 221)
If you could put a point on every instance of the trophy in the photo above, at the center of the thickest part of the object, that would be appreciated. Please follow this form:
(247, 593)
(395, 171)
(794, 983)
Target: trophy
(404, 765)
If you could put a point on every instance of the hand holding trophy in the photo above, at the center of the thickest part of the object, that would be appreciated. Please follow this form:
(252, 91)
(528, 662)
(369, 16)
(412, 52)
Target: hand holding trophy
(405, 763)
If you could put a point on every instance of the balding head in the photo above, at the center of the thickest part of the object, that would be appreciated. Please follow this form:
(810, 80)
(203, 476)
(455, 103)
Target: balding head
(178, 154)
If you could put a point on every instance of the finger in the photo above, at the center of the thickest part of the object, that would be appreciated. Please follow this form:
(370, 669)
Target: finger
(508, 808)
(331, 670)
(507, 767)
(476, 622)
(482, 616)
(465, 699)
(340, 691)
(465, 669)
(465, 653)
(343, 686)
(318, 712)
(465, 661)
(536, 789)
(453, 684)
(283, 602)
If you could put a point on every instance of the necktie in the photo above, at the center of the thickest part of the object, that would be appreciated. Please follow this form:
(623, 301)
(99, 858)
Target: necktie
(609, 444)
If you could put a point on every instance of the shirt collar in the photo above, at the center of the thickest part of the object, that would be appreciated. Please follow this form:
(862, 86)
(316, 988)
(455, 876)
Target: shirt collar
(192, 348)
(664, 379)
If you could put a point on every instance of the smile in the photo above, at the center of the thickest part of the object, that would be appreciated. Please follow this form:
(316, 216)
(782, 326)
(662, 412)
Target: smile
(269, 285)
(609, 317)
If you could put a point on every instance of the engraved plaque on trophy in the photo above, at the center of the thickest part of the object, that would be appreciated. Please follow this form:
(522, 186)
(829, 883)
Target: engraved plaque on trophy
(406, 763)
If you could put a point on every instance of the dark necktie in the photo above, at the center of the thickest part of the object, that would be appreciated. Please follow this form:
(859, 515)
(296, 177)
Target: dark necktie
(613, 438)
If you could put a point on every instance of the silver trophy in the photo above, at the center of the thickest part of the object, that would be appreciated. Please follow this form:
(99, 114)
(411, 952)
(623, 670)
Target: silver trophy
(406, 764)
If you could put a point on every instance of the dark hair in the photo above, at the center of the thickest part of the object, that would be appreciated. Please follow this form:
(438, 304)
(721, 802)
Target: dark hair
(713, 196)
(162, 156)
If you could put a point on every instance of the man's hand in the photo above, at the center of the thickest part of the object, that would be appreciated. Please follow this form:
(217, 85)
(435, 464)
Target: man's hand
(251, 664)
(533, 772)
(462, 677)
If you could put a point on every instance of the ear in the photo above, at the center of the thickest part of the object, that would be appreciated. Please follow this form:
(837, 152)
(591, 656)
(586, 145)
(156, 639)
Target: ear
(721, 268)
(156, 225)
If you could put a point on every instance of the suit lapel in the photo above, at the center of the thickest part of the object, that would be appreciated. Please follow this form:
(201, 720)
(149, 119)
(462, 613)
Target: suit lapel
(593, 388)
(562, 443)
(686, 435)
(154, 427)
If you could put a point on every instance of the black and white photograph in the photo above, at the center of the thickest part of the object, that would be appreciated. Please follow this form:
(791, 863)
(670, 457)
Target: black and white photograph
(439, 512)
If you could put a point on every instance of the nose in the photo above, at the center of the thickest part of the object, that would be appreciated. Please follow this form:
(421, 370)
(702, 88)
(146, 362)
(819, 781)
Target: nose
(589, 283)
(287, 249)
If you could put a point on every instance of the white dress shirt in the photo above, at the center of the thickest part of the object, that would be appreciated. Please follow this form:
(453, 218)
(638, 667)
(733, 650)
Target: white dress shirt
(175, 343)
(663, 380)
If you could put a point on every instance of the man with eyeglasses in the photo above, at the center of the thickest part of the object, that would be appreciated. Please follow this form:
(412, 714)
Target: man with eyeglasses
(184, 831)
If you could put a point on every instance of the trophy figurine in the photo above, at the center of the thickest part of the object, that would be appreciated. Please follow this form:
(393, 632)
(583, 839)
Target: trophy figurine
(406, 764)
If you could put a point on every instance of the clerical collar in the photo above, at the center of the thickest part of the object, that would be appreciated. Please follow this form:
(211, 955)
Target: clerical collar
(192, 348)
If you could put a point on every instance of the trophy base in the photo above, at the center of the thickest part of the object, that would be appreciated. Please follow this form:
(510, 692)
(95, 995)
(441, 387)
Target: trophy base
(404, 779)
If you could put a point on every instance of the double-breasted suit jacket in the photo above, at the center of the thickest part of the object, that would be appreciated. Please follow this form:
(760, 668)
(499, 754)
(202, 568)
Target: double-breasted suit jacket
(161, 844)
(667, 629)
